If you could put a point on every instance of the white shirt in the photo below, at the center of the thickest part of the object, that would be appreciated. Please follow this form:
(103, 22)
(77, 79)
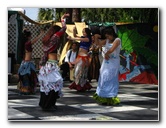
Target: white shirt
(72, 57)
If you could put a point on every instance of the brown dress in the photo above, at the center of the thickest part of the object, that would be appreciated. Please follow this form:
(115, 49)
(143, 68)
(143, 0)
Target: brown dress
(94, 67)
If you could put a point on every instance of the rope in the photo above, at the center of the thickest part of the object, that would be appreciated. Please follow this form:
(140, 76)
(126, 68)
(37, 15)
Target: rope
(32, 21)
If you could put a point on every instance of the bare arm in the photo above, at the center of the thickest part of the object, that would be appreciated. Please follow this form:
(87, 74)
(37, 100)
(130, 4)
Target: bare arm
(116, 43)
(78, 39)
(63, 22)
(74, 32)
(36, 39)
(100, 43)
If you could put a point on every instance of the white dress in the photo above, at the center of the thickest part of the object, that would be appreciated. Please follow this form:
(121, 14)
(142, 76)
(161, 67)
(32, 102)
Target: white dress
(108, 84)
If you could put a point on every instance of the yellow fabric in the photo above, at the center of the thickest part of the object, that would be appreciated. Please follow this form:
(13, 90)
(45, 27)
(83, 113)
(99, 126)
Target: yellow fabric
(64, 51)
(32, 21)
(69, 29)
(79, 27)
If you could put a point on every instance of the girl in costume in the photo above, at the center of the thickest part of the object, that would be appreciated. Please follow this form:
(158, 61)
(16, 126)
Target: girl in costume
(50, 79)
(93, 72)
(27, 73)
(82, 61)
(108, 84)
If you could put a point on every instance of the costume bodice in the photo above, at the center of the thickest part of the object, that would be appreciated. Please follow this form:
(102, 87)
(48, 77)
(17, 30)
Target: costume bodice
(28, 46)
(85, 45)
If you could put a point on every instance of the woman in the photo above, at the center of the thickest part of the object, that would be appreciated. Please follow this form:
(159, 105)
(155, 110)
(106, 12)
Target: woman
(27, 73)
(82, 61)
(50, 79)
(108, 84)
(93, 72)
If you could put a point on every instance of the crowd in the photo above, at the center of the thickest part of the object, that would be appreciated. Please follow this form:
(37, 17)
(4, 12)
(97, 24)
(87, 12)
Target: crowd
(80, 65)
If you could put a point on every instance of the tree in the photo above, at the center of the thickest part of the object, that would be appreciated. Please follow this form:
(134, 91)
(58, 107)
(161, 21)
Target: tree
(45, 14)
(76, 15)
(141, 15)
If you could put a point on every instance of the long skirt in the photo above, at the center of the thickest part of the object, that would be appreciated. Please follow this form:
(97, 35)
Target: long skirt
(51, 84)
(80, 74)
(108, 84)
(27, 78)
(94, 67)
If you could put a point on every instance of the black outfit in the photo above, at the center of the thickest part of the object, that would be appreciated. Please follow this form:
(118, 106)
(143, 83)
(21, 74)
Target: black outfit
(65, 67)
(47, 102)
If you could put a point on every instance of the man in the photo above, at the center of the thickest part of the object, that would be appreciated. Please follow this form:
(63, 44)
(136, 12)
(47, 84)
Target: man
(68, 61)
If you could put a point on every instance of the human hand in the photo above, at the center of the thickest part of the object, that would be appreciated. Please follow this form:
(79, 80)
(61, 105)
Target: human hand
(65, 15)
(74, 28)
(106, 56)
(69, 37)
(41, 31)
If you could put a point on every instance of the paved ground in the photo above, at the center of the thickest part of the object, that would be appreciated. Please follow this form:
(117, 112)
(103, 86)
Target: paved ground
(139, 102)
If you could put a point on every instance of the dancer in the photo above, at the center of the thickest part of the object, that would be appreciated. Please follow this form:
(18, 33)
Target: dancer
(93, 72)
(50, 79)
(108, 84)
(82, 61)
(27, 72)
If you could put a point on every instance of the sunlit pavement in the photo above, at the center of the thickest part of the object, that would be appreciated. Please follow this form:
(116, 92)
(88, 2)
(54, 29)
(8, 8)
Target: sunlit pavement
(139, 102)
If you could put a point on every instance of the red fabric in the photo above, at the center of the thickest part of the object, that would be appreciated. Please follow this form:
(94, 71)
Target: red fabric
(60, 33)
(134, 55)
(28, 46)
(122, 77)
(145, 78)
(87, 86)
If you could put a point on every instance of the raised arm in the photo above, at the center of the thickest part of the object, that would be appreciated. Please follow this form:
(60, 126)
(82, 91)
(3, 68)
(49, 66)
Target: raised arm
(99, 42)
(78, 39)
(74, 31)
(36, 39)
(63, 22)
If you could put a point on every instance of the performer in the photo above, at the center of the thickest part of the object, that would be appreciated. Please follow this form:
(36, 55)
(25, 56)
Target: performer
(27, 72)
(50, 79)
(93, 72)
(82, 61)
(108, 84)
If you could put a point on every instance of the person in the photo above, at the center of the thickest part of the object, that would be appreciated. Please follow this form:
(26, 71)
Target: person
(108, 84)
(27, 73)
(80, 82)
(50, 79)
(93, 72)
(68, 61)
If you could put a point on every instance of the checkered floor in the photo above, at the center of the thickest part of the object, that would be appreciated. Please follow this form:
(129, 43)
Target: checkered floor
(139, 102)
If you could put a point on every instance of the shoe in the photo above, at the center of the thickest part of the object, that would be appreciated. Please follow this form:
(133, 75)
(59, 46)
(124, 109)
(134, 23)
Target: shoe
(50, 109)
(55, 107)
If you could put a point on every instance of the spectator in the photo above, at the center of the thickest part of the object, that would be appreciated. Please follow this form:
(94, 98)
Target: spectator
(68, 63)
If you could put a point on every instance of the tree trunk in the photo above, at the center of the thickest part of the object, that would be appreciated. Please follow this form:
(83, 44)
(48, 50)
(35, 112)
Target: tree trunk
(69, 19)
(76, 15)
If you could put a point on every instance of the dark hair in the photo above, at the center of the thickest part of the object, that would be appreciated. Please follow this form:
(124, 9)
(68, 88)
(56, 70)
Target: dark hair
(110, 31)
(74, 43)
(24, 38)
(50, 33)
(88, 32)
(56, 28)
(95, 30)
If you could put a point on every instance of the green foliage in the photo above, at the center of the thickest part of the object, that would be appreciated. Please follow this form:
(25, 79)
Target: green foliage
(141, 15)
(133, 41)
(45, 14)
